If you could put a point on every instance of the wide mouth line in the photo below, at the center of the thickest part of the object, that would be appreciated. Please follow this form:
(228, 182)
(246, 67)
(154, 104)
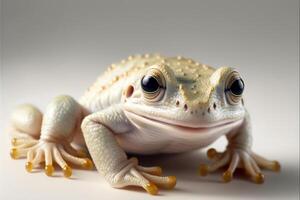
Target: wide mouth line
(216, 125)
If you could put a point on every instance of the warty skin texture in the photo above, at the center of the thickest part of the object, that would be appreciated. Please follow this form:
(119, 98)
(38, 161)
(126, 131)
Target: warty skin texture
(186, 106)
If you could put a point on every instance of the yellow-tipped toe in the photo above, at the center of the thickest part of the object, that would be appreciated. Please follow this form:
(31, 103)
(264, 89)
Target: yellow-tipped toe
(88, 164)
(67, 171)
(151, 188)
(49, 169)
(211, 153)
(28, 166)
(171, 182)
(157, 171)
(14, 141)
(276, 166)
(227, 176)
(203, 170)
(259, 178)
(14, 153)
(81, 153)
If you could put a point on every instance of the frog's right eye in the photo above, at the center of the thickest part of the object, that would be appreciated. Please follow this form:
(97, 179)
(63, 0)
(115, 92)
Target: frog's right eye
(153, 85)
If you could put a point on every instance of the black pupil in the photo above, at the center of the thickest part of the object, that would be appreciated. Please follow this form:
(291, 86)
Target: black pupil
(149, 84)
(237, 87)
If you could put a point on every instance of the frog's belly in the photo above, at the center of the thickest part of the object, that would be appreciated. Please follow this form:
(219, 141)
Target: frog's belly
(148, 142)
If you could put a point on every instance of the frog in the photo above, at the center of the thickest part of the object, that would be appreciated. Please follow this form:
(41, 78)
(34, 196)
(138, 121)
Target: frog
(145, 104)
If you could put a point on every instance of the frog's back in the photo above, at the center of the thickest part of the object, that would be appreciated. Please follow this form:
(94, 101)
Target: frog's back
(107, 89)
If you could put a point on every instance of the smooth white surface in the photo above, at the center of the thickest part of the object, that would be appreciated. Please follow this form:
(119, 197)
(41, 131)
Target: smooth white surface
(55, 47)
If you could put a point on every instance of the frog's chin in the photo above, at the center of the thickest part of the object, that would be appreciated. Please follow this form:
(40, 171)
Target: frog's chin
(173, 127)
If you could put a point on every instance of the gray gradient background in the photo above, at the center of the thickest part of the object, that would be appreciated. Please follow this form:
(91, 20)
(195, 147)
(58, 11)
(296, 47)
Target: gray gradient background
(60, 46)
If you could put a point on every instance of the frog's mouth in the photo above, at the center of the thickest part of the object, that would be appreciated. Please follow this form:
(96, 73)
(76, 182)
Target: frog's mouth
(176, 127)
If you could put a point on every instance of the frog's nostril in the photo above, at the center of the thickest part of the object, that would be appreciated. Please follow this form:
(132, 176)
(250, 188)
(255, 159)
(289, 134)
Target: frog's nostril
(185, 107)
(215, 106)
(208, 110)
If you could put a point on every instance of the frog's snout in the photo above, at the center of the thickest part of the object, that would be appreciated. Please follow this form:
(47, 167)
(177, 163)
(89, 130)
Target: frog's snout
(200, 109)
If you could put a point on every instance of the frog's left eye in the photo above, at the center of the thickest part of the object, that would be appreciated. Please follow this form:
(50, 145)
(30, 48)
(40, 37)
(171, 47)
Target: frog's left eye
(234, 88)
(153, 85)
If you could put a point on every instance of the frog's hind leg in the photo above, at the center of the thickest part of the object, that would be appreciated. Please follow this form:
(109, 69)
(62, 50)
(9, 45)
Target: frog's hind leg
(25, 129)
(61, 121)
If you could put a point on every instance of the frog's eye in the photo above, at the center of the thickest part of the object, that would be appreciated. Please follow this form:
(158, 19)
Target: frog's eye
(153, 85)
(234, 88)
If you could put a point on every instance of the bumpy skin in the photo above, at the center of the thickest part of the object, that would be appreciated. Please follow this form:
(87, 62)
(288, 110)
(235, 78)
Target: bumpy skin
(192, 107)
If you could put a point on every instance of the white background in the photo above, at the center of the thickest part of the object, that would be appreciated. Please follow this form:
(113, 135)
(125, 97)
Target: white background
(60, 46)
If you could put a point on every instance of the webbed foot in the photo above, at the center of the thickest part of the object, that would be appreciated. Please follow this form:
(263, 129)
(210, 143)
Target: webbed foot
(21, 145)
(40, 151)
(238, 158)
(148, 178)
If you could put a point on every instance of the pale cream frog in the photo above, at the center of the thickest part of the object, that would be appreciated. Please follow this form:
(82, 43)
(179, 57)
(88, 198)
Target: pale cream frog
(145, 104)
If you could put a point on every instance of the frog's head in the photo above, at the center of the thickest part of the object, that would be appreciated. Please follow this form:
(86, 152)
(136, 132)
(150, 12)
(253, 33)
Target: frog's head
(177, 100)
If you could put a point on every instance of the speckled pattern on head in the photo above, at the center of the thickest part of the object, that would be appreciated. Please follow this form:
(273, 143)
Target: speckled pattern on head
(193, 75)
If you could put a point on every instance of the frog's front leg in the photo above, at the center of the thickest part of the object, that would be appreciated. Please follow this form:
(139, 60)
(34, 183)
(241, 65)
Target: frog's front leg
(60, 121)
(238, 154)
(111, 160)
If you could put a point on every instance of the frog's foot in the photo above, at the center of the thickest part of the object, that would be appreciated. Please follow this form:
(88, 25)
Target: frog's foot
(148, 178)
(21, 142)
(241, 158)
(48, 152)
(21, 145)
